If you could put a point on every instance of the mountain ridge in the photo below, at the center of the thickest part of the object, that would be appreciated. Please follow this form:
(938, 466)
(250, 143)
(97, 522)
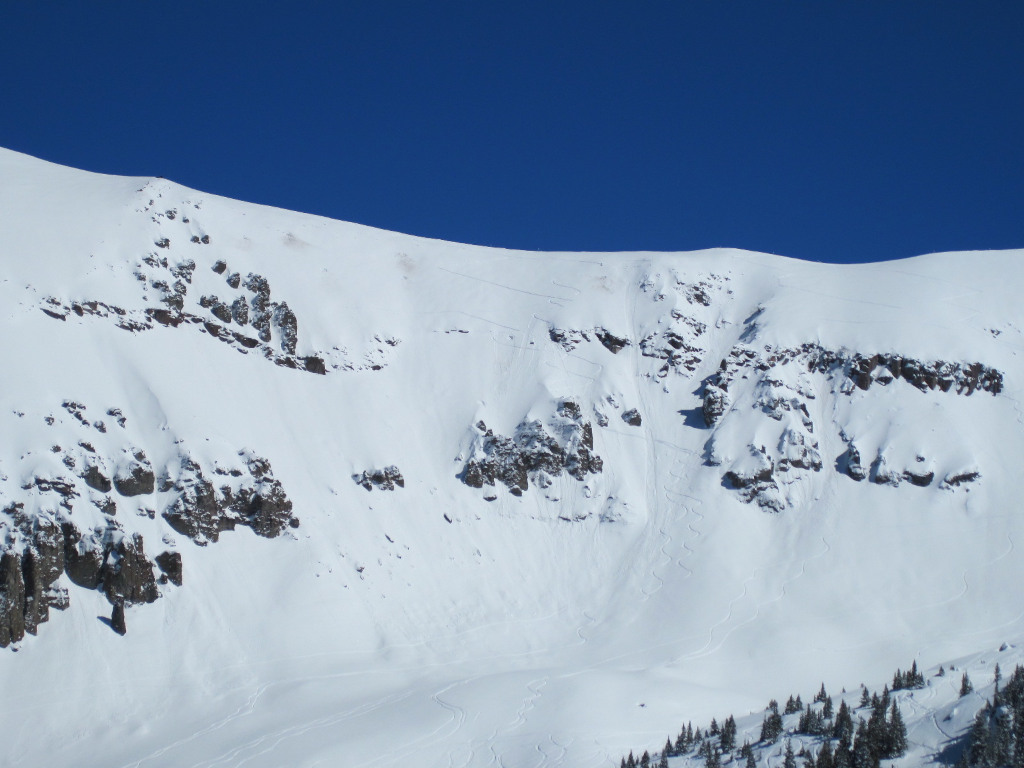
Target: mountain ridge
(485, 628)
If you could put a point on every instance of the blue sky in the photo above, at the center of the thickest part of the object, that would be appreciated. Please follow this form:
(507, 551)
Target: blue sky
(834, 131)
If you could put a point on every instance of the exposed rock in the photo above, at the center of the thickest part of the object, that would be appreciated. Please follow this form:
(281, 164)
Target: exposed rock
(632, 417)
(537, 451)
(202, 512)
(288, 326)
(920, 479)
(220, 267)
(128, 574)
(957, 479)
(850, 463)
(136, 478)
(610, 341)
(240, 311)
(95, 479)
(716, 401)
(170, 564)
(117, 622)
(386, 479)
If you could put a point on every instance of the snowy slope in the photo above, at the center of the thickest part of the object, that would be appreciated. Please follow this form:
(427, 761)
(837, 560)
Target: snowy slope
(693, 571)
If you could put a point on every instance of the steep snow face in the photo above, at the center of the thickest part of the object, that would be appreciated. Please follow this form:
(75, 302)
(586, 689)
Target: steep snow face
(355, 496)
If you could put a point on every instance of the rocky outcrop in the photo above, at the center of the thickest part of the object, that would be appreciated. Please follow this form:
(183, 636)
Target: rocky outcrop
(386, 479)
(777, 383)
(632, 417)
(46, 534)
(135, 477)
(569, 339)
(851, 371)
(202, 511)
(537, 451)
(250, 308)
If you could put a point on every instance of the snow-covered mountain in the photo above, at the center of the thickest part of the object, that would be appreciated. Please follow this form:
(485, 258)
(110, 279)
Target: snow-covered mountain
(359, 498)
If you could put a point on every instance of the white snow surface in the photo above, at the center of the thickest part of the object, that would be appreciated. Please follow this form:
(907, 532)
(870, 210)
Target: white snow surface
(428, 625)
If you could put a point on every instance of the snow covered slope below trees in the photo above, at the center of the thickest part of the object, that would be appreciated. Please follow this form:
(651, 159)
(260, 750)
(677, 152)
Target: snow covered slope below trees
(356, 498)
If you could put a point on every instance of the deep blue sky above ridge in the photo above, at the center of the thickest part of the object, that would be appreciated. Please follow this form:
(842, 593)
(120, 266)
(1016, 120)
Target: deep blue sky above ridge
(833, 131)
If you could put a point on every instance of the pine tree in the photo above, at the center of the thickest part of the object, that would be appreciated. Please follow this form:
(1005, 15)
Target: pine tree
(771, 728)
(821, 695)
(914, 678)
(668, 750)
(896, 743)
(728, 735)
(843, 727)
(631, 761)
(978, 752)
(826, 711)
(645, 760)
(789, 761)
(751, 762)
(793, 705)
(713, 759)
(1002, 736)
(865, 697)
(965, 685)
(825, 755)
(681, 744)
(663, 763)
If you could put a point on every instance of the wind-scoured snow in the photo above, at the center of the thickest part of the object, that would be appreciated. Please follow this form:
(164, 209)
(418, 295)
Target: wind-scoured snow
(451, 624)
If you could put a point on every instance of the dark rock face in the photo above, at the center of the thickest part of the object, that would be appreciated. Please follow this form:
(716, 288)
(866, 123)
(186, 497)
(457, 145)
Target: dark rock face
(610, 341)
(12, 599)
(632, 417)
(537, 451)
(386, 479)
(136, 478)
(41, 536)
(862, 371)
(117, 622)
(170, 564)
(569, 338)
(252, 309)
(782, 397)
(128, 574)
(202, 511)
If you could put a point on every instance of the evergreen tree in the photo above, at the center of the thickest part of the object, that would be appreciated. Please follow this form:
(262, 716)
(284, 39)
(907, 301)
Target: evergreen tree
(713, 729)
(914, 678)
(746, 751)
(978, 751)
(793, 706)
(631, 761)
(713, 759)
(681, 744)
(965, 685)
(789, 761)
(942, 672)
(821, 695)
(865, 697)
(896, 742)
(825, 755)
(751, 762)
(771, 728)
(843, 727)
(1002, 736)
(668, 750)
(826, 711)
(663, 763)
(728, 735)
(645, 760)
